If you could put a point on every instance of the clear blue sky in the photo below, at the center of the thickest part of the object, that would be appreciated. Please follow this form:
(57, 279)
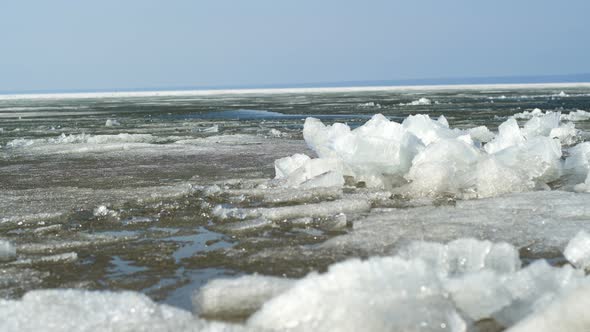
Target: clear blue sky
(122, 44)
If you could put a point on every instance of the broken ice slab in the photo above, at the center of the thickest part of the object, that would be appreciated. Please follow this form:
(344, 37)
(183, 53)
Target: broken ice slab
(577, 250)
(238, 297)
(7, 251)
(534, 287)
(569, 312)
(382, 294)
(465, 255)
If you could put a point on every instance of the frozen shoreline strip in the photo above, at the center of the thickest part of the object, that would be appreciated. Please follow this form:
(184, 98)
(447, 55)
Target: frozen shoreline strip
(184, 93)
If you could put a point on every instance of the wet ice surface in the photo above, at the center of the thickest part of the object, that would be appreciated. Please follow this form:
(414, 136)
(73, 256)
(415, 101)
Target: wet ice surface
(180, 198)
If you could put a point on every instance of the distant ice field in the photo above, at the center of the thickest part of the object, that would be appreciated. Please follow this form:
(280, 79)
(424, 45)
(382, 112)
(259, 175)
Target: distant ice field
(388, 208)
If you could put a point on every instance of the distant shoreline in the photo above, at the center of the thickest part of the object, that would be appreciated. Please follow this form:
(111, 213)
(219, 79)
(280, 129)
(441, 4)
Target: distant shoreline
(282, 90)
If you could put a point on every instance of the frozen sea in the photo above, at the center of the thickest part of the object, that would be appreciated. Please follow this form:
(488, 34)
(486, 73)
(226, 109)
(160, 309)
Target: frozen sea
(196, 210)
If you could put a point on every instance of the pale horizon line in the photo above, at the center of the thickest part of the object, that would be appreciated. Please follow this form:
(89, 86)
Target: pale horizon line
(294, 90)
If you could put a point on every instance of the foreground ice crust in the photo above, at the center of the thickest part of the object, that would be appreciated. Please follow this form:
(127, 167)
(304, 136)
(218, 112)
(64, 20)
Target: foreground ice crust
(426, 286)
(76, 310)
(424, 157)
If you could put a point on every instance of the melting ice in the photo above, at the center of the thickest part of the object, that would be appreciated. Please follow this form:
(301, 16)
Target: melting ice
(228, 212)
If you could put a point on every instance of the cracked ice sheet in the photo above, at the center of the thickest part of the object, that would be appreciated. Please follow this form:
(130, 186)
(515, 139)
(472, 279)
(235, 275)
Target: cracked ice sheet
(33, 205)
(542, 221)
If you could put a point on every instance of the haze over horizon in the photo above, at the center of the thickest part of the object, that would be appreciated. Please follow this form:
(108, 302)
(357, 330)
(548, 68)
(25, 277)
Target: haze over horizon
(65, 46)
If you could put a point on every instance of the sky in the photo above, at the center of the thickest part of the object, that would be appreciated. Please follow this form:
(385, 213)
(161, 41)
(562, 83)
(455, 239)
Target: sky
(64, 45)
